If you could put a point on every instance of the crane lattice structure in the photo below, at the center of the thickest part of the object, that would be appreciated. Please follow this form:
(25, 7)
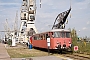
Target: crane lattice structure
(61, 19)
(8, 33)
(7, 28)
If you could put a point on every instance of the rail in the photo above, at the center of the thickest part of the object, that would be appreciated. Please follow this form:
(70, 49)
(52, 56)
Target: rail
(77, 56)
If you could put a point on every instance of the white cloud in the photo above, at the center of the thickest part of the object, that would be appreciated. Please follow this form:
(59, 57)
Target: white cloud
(84, 28)
(88, 22)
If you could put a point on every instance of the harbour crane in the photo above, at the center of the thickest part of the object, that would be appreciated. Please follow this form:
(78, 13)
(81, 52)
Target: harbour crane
(6, 27)
(28, 12)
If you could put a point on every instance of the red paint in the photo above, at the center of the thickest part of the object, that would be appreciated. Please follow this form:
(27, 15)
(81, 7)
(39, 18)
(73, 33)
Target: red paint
(30, 40)
(75, 48)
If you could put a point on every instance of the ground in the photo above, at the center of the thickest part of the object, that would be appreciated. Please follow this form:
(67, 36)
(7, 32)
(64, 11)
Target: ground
(21, 52)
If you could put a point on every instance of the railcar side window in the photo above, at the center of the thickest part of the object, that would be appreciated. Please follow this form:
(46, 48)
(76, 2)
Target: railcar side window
(43, 36)
(35, 38)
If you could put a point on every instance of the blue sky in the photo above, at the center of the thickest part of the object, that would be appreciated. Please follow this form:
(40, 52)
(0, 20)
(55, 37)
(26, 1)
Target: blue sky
(45, 16)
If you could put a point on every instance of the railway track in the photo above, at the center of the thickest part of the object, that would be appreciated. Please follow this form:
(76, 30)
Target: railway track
(77, 56)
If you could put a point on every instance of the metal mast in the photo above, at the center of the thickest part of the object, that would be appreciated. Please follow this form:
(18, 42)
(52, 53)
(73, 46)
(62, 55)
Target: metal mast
(16, 24)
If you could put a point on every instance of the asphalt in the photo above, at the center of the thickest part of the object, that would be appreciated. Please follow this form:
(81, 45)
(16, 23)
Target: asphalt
(44, 58)
(39, 58)
(3, 53)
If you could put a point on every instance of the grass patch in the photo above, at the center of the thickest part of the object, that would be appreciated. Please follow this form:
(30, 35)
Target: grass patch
(83, 47)
(24, 52)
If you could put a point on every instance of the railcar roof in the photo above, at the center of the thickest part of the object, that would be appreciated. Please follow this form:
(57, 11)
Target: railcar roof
(60, 30)
(54, 31)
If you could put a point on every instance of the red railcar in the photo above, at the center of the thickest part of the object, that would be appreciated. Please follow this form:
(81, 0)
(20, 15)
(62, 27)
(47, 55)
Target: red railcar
(59, 39)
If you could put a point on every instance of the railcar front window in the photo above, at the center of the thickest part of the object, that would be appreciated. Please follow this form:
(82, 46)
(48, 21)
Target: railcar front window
(56, 34)
(63, 34)
(67, 34)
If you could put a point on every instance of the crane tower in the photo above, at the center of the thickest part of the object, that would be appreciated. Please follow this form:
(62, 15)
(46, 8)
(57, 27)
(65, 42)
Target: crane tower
(28, 12)
(31, 17)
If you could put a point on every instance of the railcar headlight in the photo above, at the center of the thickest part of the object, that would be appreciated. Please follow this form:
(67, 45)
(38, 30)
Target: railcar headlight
(57, 42)
(70, 44)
